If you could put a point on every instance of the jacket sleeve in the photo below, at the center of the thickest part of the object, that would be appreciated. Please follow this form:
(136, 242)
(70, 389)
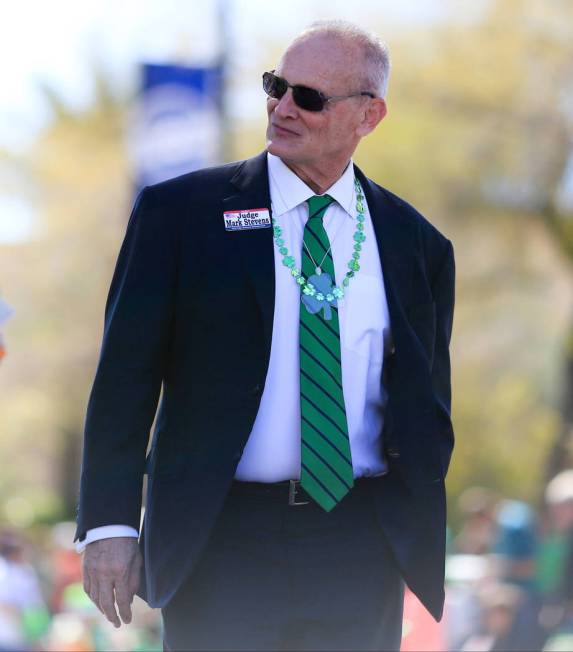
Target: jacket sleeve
(443, 289)
(123, 400)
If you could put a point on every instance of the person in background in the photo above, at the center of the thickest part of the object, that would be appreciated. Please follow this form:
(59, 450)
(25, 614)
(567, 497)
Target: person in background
(514, 553)
(554, 546)
(465, 576)
(23, 613)
(514, 543)
(500, 603)
(477, 508)
(555, 569)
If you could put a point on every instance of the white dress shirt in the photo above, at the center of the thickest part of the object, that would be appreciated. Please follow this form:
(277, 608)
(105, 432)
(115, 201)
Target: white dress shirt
(272, 452)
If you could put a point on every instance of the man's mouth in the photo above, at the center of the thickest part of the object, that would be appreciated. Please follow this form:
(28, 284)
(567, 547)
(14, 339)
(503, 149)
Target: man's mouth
(283, 130)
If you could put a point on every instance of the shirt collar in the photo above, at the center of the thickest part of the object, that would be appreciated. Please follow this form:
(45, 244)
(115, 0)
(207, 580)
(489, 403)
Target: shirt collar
(288, 191)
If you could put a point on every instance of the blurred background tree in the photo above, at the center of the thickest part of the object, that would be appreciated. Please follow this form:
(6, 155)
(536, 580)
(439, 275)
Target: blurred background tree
(76, 178)
(489, 104)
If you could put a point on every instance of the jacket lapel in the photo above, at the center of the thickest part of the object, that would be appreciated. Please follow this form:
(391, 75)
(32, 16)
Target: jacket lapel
(251, 183)
(396, 246)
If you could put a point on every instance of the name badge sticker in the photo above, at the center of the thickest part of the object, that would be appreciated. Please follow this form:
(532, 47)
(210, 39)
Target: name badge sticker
(251, 218)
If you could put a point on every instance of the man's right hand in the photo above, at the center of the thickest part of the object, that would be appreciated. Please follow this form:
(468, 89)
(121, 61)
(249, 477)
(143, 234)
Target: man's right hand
(111, 576)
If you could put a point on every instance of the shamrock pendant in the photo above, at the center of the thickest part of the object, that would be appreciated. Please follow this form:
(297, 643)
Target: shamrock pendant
(318, 301)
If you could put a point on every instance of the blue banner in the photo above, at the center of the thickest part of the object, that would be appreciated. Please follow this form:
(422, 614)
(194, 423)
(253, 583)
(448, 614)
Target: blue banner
(176, 124)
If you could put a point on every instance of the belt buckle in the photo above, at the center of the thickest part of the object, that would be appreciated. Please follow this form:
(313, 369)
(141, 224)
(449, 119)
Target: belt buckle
(292, 488)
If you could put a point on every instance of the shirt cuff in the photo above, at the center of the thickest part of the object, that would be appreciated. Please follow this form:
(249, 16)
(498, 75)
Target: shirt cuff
(106, 532)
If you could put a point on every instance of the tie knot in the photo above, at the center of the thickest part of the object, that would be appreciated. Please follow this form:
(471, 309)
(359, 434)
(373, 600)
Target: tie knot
(317, 206)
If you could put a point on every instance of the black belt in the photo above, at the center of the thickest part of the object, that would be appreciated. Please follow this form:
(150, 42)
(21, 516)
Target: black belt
(289, 491)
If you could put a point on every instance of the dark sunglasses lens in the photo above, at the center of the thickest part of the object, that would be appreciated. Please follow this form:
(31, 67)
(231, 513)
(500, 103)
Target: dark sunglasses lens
(274, 86)
(308, 98)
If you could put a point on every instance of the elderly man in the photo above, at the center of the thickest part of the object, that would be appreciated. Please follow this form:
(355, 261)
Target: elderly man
(297, 317)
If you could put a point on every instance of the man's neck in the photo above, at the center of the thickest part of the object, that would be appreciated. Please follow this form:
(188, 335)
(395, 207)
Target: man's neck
(319, 179)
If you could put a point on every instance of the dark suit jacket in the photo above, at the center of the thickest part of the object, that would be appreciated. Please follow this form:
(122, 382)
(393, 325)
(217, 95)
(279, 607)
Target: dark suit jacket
(190, 310)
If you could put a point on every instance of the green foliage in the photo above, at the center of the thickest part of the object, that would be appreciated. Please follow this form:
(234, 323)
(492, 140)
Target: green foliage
(477, 139)
(57, 282)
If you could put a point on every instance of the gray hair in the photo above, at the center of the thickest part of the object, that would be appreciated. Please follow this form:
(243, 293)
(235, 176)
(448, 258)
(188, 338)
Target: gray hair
(375, 51)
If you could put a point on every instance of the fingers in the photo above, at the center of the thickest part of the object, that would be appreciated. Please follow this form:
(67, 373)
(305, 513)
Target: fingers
(87, 583)
(125, 590)
(101, 594)
(107, 603)
(90, 583)
(94, 592)
(124, 598)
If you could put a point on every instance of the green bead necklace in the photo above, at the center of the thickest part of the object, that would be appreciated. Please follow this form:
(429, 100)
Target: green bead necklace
(335, 292)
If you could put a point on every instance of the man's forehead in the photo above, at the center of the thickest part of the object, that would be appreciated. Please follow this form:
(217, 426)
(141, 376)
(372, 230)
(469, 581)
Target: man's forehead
(320, 61)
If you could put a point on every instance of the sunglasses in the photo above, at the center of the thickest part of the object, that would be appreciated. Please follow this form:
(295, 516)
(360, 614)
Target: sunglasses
(304, 97)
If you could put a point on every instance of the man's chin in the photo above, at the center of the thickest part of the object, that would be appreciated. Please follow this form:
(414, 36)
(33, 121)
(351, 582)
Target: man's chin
(280, 149)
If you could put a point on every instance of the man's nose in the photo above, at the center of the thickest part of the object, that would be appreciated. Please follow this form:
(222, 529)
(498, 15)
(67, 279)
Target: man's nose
(286, 107)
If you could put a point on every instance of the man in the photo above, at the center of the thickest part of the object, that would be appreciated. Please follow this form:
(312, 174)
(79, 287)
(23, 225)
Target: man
(296, 472)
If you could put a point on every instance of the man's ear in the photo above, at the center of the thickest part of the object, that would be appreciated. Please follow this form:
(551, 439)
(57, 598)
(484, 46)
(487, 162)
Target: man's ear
(374, 112)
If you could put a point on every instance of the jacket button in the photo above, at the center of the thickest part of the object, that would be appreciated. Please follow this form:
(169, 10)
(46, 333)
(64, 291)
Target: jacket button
(393, 452)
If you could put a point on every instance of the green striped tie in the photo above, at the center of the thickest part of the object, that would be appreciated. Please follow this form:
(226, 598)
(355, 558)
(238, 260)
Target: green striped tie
(326, 463)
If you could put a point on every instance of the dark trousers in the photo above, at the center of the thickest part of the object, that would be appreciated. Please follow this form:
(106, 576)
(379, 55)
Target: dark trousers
(281, 577)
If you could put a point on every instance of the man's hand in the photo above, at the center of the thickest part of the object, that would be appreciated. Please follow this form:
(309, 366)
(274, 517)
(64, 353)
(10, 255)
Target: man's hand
(111, 575)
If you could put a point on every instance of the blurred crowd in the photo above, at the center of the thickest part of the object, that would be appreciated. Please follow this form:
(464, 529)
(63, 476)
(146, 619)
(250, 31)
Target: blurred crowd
(509, 577)
(509, 585)
(43, 605)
